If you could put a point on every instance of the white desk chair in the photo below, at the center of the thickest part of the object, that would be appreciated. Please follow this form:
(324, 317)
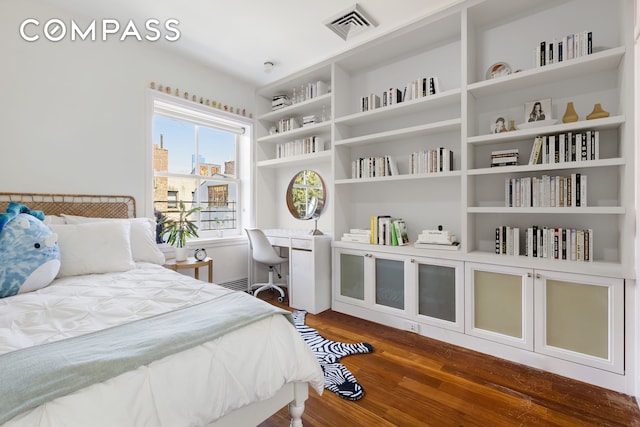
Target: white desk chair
(264, 253)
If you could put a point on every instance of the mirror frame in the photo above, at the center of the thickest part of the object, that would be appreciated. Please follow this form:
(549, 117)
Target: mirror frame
(320, 201)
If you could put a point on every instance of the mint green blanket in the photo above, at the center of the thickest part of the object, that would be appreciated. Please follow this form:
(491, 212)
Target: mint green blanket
(32, 376)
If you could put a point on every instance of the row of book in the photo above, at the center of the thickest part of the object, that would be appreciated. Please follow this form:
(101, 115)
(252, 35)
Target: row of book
(415, 89)
(508, 157)
(431, 161)
(546, 191)
(389, 231)
(565, 147)
(285, 125)
(569, 244)
(311, 144)
(372, 167)
(568, 47)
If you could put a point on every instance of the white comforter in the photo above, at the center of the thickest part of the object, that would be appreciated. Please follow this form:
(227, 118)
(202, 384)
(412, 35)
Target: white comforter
(190, 388)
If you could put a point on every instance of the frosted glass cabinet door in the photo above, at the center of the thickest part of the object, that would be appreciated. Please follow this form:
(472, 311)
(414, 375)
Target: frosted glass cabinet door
(440, 292)
(390, 282)
(580, 318)
(500, 304)
(351, 270)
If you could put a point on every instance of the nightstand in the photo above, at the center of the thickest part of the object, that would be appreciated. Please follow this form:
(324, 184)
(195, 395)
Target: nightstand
(191, 262)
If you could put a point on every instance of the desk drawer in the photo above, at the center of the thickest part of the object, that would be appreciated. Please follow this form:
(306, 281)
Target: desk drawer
(279, 241)
(301, 244)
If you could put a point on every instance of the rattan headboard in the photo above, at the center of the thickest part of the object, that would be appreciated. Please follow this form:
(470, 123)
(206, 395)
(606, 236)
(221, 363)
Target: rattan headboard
(74, 204)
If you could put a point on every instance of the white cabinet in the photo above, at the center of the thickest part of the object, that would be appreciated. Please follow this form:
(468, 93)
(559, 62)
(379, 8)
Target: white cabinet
(573, 317)
(310, 274)
(412, 291)
(309, 268)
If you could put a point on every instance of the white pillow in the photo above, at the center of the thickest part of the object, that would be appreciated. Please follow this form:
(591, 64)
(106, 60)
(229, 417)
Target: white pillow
(53, 219)
(143, 230)
(98, 247)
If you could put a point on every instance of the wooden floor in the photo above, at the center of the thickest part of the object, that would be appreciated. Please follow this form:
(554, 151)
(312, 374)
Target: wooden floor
(411, 380)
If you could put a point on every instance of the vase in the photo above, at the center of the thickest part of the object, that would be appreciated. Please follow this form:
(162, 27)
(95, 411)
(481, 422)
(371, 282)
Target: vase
(597, 113)
(181, 254)
(570, 114)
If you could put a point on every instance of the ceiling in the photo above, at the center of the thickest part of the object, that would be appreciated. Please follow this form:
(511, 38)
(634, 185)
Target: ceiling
(239, 36)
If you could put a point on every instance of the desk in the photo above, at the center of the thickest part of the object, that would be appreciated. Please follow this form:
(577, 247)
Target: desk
(191, 262)
(309, 268)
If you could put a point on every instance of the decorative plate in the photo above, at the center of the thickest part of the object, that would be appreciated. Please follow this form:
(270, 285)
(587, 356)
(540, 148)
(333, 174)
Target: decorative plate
(539, 123)
(498, 69)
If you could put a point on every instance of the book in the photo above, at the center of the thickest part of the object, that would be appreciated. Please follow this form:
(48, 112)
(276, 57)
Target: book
(356, 238)
(452, 247)
(536, 149)
(400, 227)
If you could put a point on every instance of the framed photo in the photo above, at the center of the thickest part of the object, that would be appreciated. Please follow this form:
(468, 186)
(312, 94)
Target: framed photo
(537, 110)
(500, 124)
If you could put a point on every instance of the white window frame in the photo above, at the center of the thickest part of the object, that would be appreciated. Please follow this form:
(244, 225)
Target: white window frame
(183, 109)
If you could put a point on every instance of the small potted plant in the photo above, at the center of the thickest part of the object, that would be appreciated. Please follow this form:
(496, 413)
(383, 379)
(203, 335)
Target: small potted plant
(178, 230)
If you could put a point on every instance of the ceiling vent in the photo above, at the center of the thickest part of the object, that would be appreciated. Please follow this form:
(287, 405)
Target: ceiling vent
(351, 22)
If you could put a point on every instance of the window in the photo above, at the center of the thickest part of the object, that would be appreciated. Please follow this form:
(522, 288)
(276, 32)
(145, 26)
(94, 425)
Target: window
(197, 154)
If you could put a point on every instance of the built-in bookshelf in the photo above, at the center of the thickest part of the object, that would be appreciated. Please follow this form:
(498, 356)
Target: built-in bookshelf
(459, 45)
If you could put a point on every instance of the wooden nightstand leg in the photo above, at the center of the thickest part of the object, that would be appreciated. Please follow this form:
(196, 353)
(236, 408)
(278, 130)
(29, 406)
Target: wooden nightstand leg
(210, 271)
(196, 273)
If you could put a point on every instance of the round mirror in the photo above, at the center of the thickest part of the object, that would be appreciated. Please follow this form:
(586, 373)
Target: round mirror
(306, 195)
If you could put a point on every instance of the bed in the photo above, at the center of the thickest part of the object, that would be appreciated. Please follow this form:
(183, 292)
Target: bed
(140, 346)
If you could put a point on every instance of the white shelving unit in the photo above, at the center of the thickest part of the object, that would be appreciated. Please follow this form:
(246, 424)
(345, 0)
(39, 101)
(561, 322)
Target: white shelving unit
(458, 45)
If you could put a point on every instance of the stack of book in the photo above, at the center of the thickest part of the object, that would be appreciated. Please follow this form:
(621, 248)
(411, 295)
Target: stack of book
(280, 101)
(389, 231)
(437, 239)
(507, 157)
(309, 120)
(357, 235)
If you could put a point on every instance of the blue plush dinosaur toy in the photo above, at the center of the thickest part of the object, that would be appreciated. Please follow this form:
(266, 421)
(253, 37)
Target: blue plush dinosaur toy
(29, 253)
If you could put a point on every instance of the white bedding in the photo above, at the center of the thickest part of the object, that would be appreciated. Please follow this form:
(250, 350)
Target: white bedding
(190, 388)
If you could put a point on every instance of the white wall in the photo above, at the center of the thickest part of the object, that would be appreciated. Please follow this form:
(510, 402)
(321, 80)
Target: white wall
(72, 113)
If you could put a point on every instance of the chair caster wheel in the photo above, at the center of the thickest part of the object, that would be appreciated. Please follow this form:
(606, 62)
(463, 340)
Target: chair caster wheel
(280, 299)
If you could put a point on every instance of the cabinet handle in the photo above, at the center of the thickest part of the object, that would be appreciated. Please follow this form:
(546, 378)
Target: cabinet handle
(538, 276)
(529, 275)
(413, 260)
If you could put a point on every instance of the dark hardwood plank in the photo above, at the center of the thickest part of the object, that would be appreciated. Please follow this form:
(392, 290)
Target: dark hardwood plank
(411, 380)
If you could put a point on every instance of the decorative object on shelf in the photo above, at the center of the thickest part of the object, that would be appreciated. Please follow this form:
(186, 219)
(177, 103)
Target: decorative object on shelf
(538, 124)
(500, 125)
(168, 90)
(537, 110)
(597, 113)
(178, 230)
(200, 254)
(152, 85)
(177, 92)
(512, 125)
(306, 197)
(499, 69)
(570, 114)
